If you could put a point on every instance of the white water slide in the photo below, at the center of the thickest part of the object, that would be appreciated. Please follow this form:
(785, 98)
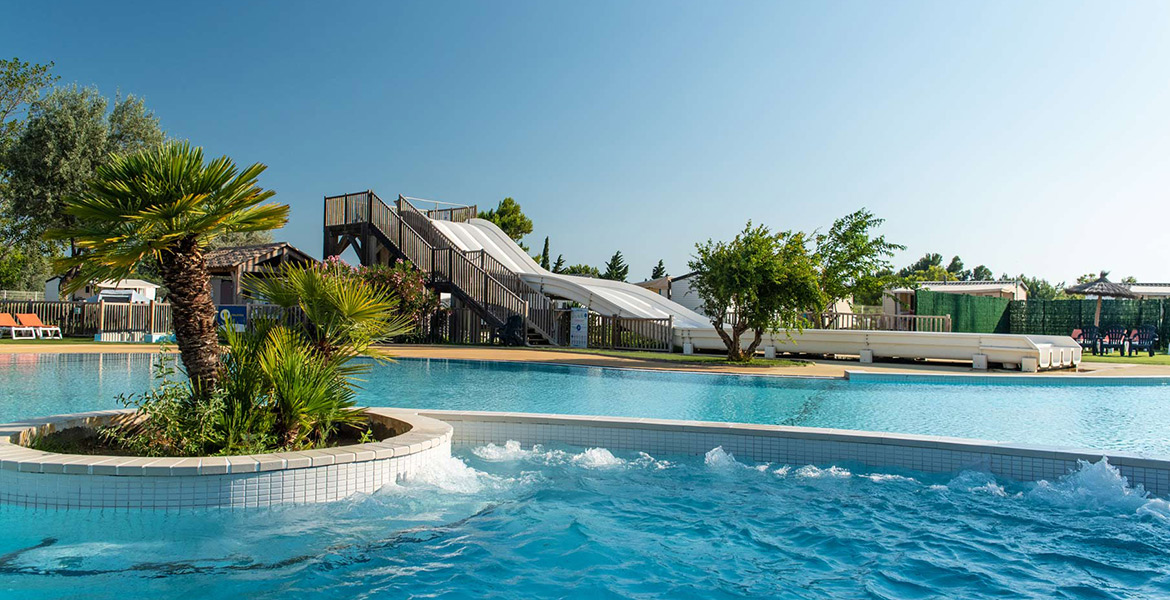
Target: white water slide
(599, 295)
(623, 299)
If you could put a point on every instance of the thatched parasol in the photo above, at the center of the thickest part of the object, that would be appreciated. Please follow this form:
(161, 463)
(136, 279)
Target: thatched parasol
(1100, 288)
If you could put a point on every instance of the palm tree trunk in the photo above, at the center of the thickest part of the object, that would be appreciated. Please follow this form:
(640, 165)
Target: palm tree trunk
(193, 314)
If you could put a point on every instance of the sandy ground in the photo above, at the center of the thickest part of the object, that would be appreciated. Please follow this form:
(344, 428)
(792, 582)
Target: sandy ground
(817, 368)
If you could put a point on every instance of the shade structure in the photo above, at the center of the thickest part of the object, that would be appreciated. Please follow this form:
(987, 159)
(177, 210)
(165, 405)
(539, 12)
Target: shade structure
(1101, 287)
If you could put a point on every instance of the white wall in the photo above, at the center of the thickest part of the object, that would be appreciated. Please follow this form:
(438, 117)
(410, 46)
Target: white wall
(53, 290)
(681, 293)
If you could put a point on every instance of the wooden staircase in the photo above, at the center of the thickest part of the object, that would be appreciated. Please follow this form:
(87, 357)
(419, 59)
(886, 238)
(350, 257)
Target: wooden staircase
(380, 233)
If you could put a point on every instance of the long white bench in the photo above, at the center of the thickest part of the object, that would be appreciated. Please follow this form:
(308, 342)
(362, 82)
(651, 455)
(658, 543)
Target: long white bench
(1027, 352)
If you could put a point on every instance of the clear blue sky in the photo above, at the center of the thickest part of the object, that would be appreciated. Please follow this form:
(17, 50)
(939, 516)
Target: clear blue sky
(1029, 136)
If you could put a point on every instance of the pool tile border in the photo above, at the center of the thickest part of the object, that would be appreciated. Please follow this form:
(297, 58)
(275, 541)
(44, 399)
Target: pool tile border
(800, 445)
(861, 376)
(48, 480)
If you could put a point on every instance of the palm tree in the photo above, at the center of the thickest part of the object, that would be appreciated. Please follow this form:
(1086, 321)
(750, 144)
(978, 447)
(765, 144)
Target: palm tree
(166, 204)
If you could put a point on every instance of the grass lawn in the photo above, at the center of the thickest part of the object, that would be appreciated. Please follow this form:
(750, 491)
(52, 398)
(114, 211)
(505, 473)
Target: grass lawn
(1139, 359)
(693, 359)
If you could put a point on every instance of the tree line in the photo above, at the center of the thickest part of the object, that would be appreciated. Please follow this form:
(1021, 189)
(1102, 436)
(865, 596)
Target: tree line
(53, 141)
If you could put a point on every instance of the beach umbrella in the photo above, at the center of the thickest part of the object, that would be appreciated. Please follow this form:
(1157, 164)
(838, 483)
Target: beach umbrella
(1100, 288)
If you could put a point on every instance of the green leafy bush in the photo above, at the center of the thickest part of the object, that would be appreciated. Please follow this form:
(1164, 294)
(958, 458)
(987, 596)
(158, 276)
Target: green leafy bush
(284, 383)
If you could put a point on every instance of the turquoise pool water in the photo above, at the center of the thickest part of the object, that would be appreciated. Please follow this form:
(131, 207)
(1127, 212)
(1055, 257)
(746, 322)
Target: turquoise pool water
(1107, 417)
(519, 522)
(505, 522)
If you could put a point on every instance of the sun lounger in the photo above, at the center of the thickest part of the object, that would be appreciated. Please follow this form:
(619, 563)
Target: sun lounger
(43, 331)
(1143, 338)
(10, 328)
(1113, 338)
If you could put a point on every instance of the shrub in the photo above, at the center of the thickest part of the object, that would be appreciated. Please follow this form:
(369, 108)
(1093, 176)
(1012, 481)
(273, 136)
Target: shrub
(416, 303)
(284, 384)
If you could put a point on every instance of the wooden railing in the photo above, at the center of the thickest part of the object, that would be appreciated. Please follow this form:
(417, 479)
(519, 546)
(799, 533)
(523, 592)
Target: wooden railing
(484, 280)
(630, 333)
(460, 325)
(91, 318)
(538, 309)
(541, 312)
(416, 238)
(882, 322)
(21, 295)
(348, 209)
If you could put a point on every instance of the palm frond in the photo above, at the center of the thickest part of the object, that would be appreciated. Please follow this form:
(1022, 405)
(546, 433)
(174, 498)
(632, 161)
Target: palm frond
(146, 203)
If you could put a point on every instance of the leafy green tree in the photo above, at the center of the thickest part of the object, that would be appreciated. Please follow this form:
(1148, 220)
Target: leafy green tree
(616, 268)
(982, 273)
(508, 217)
(933, 273)
(659, 270)
(20, 84)
(956, 268)
(923, 264)
(559, 265)
(1129, 280)
(1087, 277)
(758, 282)
(167, 204)
(582, 271)
(1041, 289)
(24, 260)
(68, 136)
(544, 258)
(853, 261)
(24, 267)
(242, 238)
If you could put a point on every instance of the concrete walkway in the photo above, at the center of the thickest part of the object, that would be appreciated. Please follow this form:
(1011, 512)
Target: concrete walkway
(814, 368)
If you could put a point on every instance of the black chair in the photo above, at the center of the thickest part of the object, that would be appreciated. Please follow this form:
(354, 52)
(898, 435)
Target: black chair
(1143, 338)
(1113, 338)
(512, 333)
(1087, 338)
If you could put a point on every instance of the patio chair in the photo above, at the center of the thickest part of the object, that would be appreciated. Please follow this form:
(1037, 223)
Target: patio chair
(10, 328)
(512, 333)
(1143, 338)
(1087, 338)
(1113, 338)
(43, 331)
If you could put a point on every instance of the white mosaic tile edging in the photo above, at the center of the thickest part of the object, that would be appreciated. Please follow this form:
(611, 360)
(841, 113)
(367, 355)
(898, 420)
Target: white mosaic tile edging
(48, 480)
(1054, 380)
(798, 445)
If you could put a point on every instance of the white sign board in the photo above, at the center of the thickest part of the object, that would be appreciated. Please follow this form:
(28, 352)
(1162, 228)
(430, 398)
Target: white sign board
(579, 328)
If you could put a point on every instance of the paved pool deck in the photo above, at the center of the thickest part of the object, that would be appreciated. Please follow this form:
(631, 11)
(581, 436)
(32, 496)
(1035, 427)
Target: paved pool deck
(814, 368)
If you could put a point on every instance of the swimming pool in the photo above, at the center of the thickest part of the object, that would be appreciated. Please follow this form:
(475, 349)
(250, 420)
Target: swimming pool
(1131, 418)
(510, 522)
(505, 521)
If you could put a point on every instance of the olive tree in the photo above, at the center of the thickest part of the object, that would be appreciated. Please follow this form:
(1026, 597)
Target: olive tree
(758, 282)
(68, 135)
